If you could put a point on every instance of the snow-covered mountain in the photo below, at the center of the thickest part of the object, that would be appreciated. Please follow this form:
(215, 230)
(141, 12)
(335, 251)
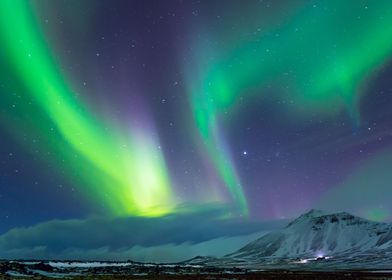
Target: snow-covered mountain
(319, 239)
(317, 233)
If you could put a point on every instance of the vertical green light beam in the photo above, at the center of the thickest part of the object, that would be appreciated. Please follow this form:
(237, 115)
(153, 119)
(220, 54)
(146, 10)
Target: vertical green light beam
(134, 181)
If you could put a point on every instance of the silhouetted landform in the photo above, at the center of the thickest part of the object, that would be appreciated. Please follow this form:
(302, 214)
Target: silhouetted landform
(131, 270)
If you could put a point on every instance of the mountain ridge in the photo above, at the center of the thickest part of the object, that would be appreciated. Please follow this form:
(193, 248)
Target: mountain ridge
(318, 239)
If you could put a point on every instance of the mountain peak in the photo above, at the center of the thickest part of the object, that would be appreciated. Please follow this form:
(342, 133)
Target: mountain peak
(314, 213)
(311, 214)
(318, 233)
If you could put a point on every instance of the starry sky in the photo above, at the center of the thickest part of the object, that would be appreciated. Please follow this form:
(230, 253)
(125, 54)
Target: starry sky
(239, 112)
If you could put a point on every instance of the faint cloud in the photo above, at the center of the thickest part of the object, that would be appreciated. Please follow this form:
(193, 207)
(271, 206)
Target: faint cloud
(164, 239)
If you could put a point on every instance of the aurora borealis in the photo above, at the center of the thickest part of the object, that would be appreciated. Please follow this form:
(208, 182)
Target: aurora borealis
(328, 79)
(120, 165)
(261, 109)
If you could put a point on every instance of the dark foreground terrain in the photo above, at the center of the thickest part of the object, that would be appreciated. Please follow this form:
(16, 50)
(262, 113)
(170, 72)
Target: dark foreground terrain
(283, 275)
(132, 270)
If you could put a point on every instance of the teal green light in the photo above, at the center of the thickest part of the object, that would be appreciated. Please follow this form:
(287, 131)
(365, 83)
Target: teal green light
(349, 42)
(318, 61)
(128, 175)
(207, 123)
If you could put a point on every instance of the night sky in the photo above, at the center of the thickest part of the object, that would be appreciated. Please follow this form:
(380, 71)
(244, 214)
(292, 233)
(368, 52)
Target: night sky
(161, 113)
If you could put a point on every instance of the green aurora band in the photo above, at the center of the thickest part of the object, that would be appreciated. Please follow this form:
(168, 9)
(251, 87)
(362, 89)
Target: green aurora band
(351, 40)
(125, 173)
